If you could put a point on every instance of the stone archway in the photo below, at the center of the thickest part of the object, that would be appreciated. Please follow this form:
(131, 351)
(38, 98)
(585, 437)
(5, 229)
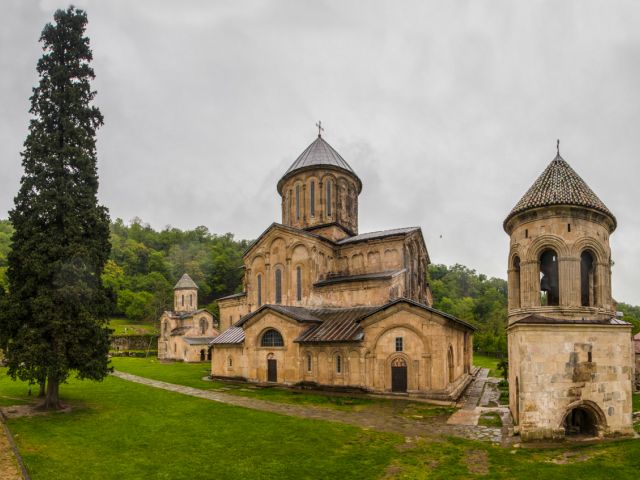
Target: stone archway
(583, 419)
(398, 375)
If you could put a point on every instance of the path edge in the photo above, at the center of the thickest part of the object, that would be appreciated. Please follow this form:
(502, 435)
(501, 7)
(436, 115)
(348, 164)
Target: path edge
(14, 447)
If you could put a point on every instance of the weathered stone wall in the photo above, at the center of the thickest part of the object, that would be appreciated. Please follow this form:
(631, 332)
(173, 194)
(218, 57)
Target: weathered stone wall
(173, 347)
(550, 374)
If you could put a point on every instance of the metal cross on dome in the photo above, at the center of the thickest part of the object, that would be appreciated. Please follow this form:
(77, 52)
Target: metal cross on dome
(320, 129)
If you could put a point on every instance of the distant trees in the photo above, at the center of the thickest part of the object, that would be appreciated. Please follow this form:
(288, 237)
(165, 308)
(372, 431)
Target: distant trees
(473, 297)
(54, 315)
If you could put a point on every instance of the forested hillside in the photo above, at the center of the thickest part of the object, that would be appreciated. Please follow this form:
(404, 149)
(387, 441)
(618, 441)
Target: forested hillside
(145, 264)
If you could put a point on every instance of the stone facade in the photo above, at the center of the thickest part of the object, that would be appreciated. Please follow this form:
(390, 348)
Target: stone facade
(345, 309)
(570, 359)
(186, 331)
(636, 348)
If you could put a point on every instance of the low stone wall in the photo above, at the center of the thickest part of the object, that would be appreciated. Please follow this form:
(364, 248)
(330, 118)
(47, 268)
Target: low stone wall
(134, 342)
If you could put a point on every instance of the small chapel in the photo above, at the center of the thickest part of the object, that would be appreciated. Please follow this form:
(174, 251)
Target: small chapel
(326, 305)
(570, 356)
(186, 331)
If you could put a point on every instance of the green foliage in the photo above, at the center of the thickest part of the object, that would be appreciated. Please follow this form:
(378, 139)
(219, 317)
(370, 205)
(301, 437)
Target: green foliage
(53, 321)
(473, 297)
(631, 315)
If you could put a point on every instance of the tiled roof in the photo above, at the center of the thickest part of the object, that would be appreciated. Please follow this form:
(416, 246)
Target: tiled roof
(380, 234)
(559, 184)
(541, 320)
(185, 283)
(338, 325)
(183, 315)
(359, 278)
(300, 314)
(235, 295)
(231, 336)
(198, 340)
(179, 331)
(318, 154)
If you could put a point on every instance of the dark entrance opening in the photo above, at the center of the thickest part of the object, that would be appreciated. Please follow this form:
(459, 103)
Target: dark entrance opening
(398, 375)
(272, 370)
(202, 355)
(580, 421)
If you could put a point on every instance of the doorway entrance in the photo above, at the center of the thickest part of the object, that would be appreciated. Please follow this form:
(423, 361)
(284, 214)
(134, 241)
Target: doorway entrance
(580, 421)
(272, 369)
(399, 375)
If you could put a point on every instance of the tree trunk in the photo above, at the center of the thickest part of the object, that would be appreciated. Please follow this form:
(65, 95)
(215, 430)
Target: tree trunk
(42, 392)
(52, 400)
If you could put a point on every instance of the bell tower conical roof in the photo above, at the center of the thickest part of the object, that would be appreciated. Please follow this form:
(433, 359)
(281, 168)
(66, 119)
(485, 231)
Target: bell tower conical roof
(185, 283)
(559, 184)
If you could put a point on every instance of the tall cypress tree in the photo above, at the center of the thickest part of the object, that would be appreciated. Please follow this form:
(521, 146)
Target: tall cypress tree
(54, 319)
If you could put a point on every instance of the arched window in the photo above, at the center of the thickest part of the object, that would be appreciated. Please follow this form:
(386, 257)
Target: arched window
(549, 280)
(516, 283)
(278, 279)
(587, 280)
(312, 195)
(175, 348)
(202, 355)
(271, 338)
(230, 361)
(297, 202)
(338, 364)
(450, 364)
(299, 283)
(328, 199)
(286, 207)
(191, 300)
(182, 301)
(309, 364)
(259, 282)
(166, 327)
(203, 326)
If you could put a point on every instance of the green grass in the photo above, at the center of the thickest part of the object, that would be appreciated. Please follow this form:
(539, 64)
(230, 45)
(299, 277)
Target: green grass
(490, 419)
(191, 374)
(119, 429)
(125, 326)
(488, 362)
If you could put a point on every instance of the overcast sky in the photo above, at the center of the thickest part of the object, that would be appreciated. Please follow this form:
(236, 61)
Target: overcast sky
(448, 111)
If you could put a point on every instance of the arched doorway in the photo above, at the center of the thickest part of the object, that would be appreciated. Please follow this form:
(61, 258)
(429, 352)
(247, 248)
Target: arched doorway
(581, 421)
(272, 368)
(202, 355)
(399, 375)
(450, 364)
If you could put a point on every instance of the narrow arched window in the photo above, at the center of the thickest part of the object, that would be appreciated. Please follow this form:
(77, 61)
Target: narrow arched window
(278, 280)
(272, 338)
(328, 199)
(309, 364)
(297, 202)
(549, 279)
(230, 362)
(587, 280)
(516, 283)
(191, 300)
(166, 327)
(259, 282)
(298, 283)
(203, 326)
(182, 300)
(312, 195)
(338, 364)
(286, 208)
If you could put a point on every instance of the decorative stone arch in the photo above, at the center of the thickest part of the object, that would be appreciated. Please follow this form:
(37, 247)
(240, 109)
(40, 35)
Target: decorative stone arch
(596, 414)
(421, 336)
(306, 356)
(399, 359)
(263, 332)
(542, 243)
(335, 355)
(593, 246)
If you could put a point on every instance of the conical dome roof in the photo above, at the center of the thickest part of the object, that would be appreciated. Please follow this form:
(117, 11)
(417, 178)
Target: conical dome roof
(185, 283)
(559, 184)
(318, 155)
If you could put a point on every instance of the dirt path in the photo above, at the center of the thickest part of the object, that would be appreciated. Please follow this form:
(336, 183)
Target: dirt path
(381, 419)
(9, 469)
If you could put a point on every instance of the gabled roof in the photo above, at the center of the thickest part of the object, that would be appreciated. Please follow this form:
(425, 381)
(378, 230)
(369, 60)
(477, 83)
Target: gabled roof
(318, 155)
(287, 228)
(559, 184)
(379, 234)
(185, 283)
(183, 315)
(231, 336)
(232, 296)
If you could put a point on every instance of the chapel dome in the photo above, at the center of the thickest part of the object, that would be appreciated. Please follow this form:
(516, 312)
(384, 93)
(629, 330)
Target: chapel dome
(559, 184)
(319, 155)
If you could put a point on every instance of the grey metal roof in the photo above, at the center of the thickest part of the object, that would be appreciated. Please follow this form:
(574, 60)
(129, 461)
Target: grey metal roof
(559, 184)
(231, 336)
(542, 320)
(386, 275)
(183, 315)
(338, 325)
(198, 340)
(300, 314)
(185, 283)
(379, 234)
(235, 295)
(179, 331)
(318, 154)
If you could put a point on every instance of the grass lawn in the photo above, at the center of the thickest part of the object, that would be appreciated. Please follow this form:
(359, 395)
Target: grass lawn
(125, 326)
(191, 374)
(119, 430)
(487, 362)
(490, 419)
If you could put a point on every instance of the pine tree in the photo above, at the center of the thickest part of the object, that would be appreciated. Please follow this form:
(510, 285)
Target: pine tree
(54, 319)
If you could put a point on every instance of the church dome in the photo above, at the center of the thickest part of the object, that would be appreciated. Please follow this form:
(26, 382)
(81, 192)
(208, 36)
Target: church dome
(559, 184)
(319, 155)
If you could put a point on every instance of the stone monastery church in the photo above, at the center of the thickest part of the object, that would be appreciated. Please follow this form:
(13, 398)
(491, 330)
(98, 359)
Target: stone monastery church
(326, 305)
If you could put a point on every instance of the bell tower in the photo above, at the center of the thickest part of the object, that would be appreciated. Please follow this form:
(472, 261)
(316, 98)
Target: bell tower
(185, 295)
(565, 342)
